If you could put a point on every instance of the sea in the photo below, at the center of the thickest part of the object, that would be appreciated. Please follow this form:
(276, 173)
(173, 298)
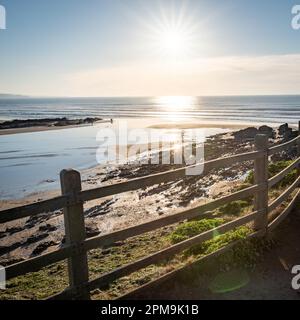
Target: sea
(275, 109)
(31, 162)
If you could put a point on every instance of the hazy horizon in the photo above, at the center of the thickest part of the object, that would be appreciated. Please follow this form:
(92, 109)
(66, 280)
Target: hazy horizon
(23, 96)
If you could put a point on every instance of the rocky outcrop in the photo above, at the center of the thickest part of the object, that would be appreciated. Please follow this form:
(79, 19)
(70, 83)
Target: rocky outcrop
(287, 133)
(283, 129)
(48, 122)
(270, 132)
(246, 134)
(251, 132)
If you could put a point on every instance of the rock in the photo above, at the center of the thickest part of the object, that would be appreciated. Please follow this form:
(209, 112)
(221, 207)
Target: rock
(9, 248)
(42, 247)
(36, 238)
(246, 134)
(48, 181)
(47, 228)
(13, 230)
(101, 209)
(288, 134)
(92, 232)
(41, 218)
(267, 131)
(8, 262)
(283, 128)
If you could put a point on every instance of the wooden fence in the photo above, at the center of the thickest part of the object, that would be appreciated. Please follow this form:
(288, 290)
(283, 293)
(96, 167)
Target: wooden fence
(77, 246)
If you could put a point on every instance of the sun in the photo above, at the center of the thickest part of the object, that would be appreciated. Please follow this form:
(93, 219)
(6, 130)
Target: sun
(173, 35)
(174, 42)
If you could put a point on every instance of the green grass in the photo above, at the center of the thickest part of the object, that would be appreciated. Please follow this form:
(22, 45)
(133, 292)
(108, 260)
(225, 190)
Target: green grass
(233, 208)
(273, 169)
(190, 229)
(220, 240)
(37, 285)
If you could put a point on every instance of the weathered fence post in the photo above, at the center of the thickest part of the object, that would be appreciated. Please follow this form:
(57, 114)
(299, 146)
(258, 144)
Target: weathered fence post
(298, 141)
(75, 233)
(298, 147)
(261, 177)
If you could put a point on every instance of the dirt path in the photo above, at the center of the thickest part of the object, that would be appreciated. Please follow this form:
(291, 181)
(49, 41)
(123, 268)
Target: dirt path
(271, 278)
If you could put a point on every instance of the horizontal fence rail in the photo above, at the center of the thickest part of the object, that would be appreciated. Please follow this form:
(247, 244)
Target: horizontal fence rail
(76, 247)
(283, 146)
(277, 178)
(37, 263)
(284, 213)
(165, 177)
(285, 195)
(33, 209)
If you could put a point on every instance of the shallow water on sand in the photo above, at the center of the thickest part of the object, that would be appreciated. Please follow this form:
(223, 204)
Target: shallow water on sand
(31, 162)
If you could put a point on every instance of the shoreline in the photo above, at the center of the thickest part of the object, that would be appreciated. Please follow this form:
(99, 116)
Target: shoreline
(196, 124)
(153, 124)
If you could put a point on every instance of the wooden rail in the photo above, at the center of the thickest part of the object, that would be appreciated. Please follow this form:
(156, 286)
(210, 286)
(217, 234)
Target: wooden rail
(77, 246)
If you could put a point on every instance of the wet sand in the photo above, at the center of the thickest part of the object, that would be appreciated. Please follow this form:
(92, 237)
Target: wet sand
(211, 124)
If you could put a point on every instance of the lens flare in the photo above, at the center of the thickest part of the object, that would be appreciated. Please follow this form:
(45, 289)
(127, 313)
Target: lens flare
(229, 281)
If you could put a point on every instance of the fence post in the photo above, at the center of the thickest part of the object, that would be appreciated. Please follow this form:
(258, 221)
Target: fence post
(298, 146)
(261, 177)
(298, 141)
(75, 233)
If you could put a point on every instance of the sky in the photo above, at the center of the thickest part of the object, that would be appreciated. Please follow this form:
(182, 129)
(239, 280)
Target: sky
(149, 48)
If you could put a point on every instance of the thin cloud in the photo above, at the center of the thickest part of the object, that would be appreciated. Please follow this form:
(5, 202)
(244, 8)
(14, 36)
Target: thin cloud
(274, 74)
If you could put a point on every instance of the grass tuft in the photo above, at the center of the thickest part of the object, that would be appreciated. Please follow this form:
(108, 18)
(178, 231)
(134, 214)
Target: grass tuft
(192, 228)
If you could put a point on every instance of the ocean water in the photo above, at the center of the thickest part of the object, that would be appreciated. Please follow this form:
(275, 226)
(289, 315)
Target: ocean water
(275, 109)
(31, 162)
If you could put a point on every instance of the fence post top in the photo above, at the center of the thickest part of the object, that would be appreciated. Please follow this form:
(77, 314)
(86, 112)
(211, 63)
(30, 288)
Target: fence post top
(68, 171)
(70, 180)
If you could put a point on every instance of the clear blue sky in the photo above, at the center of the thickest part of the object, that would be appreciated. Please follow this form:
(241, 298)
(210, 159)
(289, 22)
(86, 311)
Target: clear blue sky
(73, 47)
